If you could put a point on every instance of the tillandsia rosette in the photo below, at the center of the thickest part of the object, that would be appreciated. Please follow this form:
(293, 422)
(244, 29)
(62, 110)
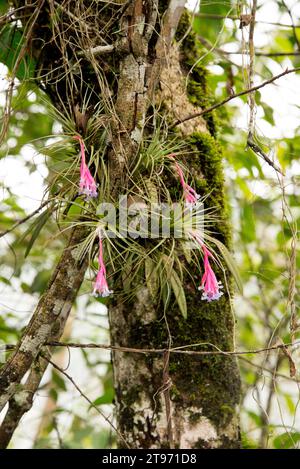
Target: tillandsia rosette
(193, 227)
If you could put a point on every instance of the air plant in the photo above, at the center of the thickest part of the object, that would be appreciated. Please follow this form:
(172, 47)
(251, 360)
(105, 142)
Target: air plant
(157, 263)
(101, 286)
(87, 184)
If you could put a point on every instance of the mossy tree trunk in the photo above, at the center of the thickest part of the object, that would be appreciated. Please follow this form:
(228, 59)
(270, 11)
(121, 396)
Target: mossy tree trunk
(162, 400)
(181, 400)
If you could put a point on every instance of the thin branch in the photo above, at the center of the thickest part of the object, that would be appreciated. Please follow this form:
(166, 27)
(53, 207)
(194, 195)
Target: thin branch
(75, 18)
(225, 53)
(167, 384)
(237, 18)
(177, 350)
(258, 151)
(261, 54)
(251, 97)
(58, 368)
(11, 15)
(25, 219)
(209, 46)
(98, 50)
(293, 25)
(237, 95)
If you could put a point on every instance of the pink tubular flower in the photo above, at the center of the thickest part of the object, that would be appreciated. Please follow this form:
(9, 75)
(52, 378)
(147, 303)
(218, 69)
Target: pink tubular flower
(190, 195)
(87, 185)
(100, 286)
(209, 283)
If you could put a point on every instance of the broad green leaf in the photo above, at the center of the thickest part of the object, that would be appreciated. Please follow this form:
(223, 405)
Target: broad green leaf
(248, 231)
(3, 7)
(106, 398)
(40, 281)
(11, 41)
(287, 440)
(255, 417)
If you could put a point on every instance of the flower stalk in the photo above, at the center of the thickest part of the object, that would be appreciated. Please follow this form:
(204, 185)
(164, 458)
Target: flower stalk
(87, 184)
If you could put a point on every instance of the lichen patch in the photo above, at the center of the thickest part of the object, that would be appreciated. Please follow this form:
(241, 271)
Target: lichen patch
(173, 95)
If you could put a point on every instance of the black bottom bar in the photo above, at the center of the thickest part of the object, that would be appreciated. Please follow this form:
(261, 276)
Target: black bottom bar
(90, 459)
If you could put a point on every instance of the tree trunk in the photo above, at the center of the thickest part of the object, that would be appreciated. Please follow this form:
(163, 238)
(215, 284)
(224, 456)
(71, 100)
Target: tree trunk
(162, 400)
(181, 400)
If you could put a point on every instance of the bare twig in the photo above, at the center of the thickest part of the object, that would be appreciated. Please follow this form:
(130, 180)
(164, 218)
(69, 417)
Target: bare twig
(236, 18)
(293, 24)
(63, 372)
(167, 384)
(264, 368)
(237, 95)
(260, 54)
(25, 219)
(251, 97)
(98, 50)
(177, 350)
(258, 151)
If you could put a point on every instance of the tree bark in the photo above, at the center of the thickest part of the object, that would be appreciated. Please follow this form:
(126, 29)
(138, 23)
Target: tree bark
(181, 401)
(161, 401)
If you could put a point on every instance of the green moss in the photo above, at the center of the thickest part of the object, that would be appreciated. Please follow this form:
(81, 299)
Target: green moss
(209, 382)
(207, 385)
(206, 159)
(197, 88)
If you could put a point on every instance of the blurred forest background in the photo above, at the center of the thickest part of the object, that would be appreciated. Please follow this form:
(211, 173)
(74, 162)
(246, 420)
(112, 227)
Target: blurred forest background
(264, 210)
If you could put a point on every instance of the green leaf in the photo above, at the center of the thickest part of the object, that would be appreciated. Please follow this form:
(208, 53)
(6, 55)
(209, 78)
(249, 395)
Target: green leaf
(11, 41)
(3, 6)
(40, 281)
(286, 440)
(179, 293)
(248, 223)
(106, 398)
(289, 402)
(4, 280)
(230, 262)
(255, 417)
(59, 381)
(152, 279)
(35, 228)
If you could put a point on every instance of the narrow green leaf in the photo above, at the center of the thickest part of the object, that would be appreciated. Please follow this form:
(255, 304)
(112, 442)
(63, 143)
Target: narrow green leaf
(152, 280)
(35, 229)
(230, 262)
(179, 293)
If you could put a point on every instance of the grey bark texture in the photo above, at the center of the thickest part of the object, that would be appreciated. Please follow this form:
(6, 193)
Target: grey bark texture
(162, 401)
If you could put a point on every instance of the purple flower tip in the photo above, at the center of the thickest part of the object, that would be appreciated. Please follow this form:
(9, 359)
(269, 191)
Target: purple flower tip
(87, 184)
(101, 287)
